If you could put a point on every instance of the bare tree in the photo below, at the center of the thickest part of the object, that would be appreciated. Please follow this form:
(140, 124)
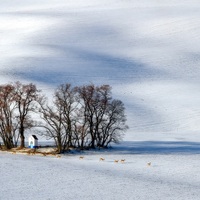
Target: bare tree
(114, 124)
(102, 100)
(103, 118)
(59, 119)
(83, 117)
(8, 124)
(26, 97)
(52, 122)
(86, 95)
(66, 100)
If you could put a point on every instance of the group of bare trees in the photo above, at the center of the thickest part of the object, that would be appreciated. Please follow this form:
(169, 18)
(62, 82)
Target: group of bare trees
(80, 117)
(17, 103)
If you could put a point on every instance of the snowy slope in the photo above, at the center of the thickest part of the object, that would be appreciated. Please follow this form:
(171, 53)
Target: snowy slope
(147, 50)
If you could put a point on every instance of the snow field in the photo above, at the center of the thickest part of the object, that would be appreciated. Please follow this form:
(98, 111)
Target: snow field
(173, 173)
(36, 177)
(146, 50)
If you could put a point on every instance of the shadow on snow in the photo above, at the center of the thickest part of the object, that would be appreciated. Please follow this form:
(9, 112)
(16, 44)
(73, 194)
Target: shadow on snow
(157, 147)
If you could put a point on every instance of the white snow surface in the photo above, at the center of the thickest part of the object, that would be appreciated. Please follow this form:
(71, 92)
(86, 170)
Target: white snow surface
(173, 174)
(147, 50)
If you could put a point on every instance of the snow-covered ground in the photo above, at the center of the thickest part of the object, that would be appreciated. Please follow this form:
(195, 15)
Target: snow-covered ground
(173, 174)
(148, 51)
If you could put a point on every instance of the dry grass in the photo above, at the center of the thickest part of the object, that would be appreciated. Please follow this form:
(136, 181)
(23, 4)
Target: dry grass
(30, 152)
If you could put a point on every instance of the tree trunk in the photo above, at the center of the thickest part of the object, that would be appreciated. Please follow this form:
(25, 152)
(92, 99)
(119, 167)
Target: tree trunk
(82, 142)
(92, 145)
(59, 145)
(22, 141)
(21, 132)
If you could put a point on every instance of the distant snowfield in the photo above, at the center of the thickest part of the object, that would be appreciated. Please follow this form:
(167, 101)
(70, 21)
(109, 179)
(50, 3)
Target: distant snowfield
(148, 51)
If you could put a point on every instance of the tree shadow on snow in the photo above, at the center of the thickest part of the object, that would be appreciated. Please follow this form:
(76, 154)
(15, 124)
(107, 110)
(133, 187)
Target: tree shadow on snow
(157, 147)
